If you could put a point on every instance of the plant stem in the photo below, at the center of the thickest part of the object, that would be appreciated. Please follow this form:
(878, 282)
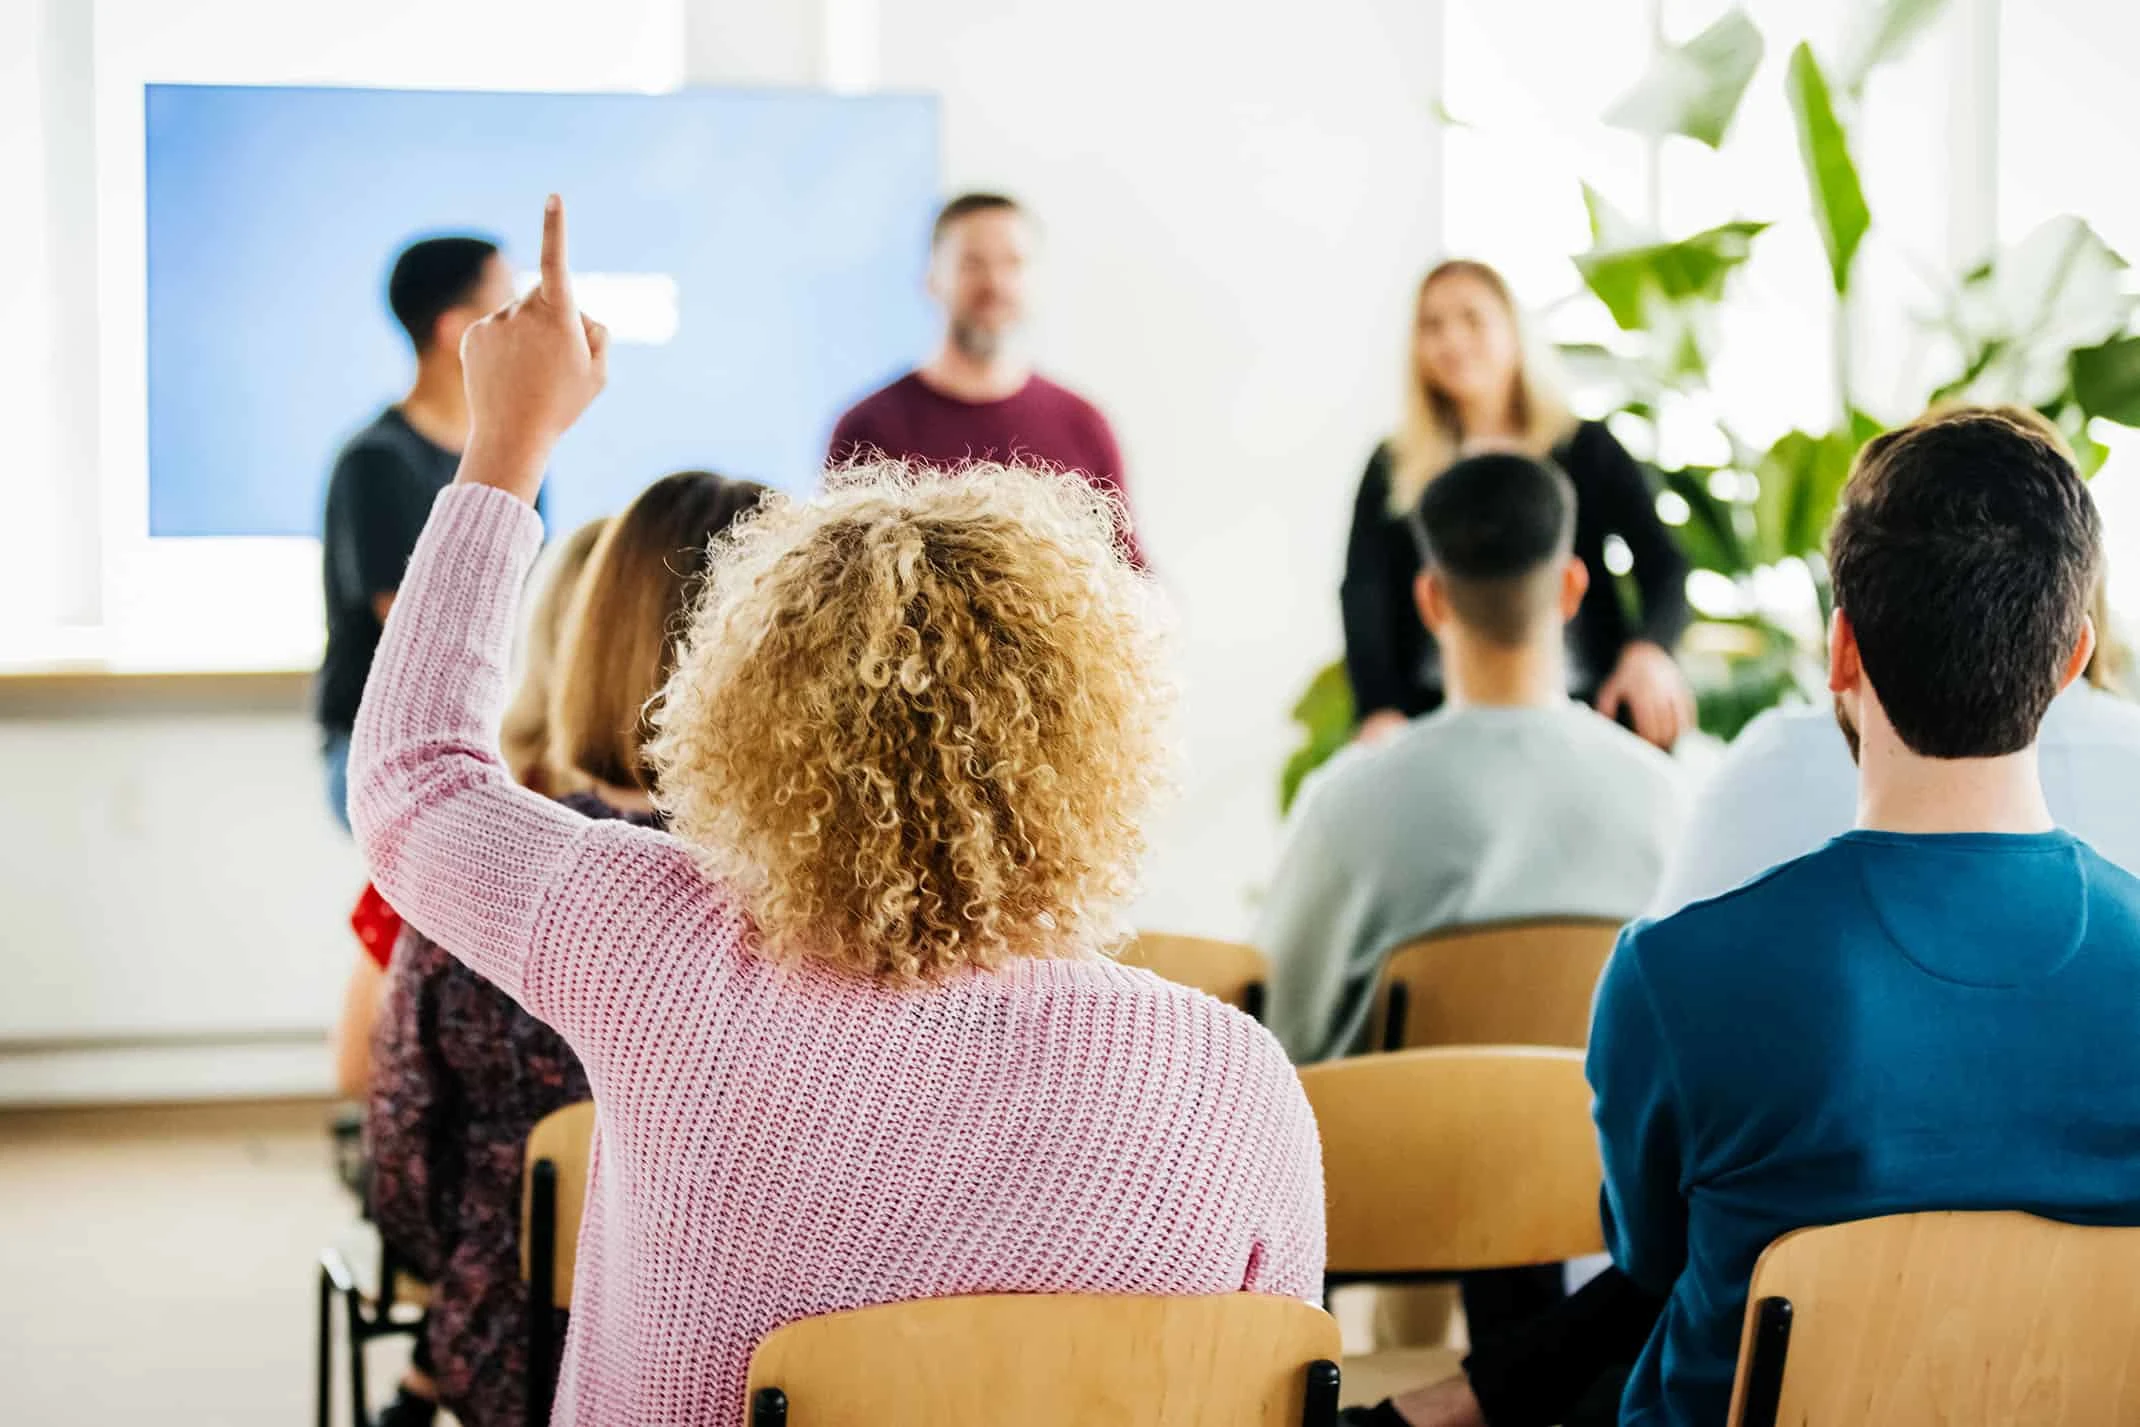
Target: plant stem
(1843, 363)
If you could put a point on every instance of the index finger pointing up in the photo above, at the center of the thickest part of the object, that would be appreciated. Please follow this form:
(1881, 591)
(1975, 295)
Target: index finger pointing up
(556, 276)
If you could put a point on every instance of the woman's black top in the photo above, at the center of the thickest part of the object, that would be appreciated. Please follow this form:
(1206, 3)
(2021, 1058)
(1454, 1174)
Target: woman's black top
(1389, 655)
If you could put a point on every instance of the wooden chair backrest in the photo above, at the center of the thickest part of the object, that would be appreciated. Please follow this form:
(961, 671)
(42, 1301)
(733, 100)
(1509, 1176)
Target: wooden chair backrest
(1051, 1360)
(1232, 971)
(1506, 983)
(1457, 1158)
(1959, 1320)
(565, 1138)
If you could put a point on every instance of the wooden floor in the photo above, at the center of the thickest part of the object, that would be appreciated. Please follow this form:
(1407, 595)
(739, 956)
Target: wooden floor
(159, 1264)
(159, 1268)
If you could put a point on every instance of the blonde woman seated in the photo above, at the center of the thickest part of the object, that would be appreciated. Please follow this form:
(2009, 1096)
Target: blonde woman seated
(850, 1037)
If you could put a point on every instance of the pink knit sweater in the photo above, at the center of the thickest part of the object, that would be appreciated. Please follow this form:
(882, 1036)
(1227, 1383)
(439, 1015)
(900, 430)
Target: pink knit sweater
(775, 1143)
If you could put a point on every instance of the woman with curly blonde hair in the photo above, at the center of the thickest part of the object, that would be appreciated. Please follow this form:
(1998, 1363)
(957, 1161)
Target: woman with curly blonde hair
(849, 1027)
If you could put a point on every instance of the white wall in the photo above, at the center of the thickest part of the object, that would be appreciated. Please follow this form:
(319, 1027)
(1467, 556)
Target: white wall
(175, 894)
(1237, 199)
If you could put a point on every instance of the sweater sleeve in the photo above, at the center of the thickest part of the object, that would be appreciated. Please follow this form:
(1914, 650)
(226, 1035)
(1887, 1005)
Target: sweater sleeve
(466, 854)
(1627, 505)
(1371, 644)
(1288, 1261)
(1639, 1123)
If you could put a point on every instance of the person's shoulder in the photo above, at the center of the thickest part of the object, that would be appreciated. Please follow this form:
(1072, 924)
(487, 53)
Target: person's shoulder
(1424, 752)
(2120, 886)
(1590, 451)
(1590, 438)
(2088, 715)
(1786, 729)
(1783, 894)
(898, 394)
(1600, 743)
(385, 448)
(1062, 397)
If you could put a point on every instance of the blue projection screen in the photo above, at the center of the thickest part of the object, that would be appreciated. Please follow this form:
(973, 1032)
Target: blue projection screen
(763, 250)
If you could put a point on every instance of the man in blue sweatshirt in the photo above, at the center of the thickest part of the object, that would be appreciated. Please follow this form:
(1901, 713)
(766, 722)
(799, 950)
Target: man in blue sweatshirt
(1938, 1010)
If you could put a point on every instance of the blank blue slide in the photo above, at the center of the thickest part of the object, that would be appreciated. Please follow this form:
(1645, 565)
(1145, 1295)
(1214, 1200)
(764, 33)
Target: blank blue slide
(761, 252)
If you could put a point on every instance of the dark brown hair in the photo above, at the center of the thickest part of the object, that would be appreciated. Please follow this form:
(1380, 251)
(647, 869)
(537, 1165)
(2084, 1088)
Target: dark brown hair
(1964, 553)
(1495, 530)
(965, 205)
(620, 637)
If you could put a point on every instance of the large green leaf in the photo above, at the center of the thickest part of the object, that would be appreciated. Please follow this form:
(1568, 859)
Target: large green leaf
(2020, 317)
(1612, 228)
(1733, 695)
(2106, 380)
(1879, 33)
(1695, 88)
(1634, 281)
(1838, 199)
(1801, 477)
(1710, 537)
(1324, 710)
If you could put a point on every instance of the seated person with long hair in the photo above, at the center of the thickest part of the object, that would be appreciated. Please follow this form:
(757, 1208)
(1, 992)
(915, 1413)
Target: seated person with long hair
(850, 1032)
(463, 1074)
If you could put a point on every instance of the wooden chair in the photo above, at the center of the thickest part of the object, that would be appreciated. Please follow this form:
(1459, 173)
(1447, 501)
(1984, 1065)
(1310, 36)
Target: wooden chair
(1958, 1320)
(1502, 983)
(1448, 1160)
(553, 1196)
(1444, 1161)
(1235, 973)
(1053, 1360)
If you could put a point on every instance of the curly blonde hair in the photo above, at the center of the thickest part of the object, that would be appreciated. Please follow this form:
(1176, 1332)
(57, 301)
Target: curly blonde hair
(918, 721)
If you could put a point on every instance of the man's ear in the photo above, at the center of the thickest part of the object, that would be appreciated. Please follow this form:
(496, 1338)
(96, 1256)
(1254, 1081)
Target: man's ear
(2083, 651)
(1844, 668)
(1433, 601)
(1574, 584)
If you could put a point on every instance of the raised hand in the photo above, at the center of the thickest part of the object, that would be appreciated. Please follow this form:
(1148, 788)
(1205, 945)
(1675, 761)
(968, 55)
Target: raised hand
(531, 367)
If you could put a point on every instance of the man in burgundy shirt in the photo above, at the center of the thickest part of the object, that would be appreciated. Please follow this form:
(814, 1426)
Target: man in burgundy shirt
(978, 398)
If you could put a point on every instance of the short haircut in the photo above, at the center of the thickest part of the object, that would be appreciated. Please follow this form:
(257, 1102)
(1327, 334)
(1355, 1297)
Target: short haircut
(431, 278)
(1964, 552)
(965, 205)
(1495, 530)
(619, 645)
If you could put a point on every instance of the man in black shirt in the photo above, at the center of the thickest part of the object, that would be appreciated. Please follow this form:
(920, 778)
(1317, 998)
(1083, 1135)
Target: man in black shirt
(387, 476)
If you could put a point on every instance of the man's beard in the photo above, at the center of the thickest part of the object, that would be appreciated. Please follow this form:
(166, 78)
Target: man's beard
(982, 344)
(1850, 729)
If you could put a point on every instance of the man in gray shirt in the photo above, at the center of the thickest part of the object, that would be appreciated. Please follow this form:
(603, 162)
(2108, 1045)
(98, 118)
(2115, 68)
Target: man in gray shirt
(1511, 801)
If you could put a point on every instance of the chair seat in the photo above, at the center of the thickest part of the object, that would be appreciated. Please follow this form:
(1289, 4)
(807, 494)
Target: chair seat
(358, 1246)
(1370, 1377)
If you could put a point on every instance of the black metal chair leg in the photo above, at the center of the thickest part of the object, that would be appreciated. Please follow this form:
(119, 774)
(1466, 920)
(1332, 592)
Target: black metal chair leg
(324, 1368)
(1320, 1409)
(359, 1399)
(1764, 1365)
(542, 1291)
